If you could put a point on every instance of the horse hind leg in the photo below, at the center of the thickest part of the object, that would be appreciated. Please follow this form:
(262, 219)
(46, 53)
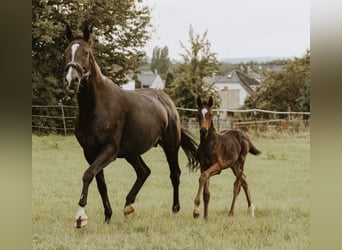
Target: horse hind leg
(248, 196)
(142, 172)
(175, 172)
(236, 190)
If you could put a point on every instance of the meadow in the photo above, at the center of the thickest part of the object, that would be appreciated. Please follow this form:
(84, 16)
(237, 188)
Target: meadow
(279, 181)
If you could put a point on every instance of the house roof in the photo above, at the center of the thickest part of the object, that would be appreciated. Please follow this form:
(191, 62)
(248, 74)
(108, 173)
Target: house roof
(249, 80)
(147, 78)
(236, 76)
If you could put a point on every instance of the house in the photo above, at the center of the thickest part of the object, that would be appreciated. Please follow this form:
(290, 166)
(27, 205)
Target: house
(233, 88)
(148, 79)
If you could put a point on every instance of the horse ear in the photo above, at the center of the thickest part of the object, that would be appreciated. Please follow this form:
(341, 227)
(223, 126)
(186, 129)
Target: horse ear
(86, 32)
(199, 101)
(68, 33)
(211, 101)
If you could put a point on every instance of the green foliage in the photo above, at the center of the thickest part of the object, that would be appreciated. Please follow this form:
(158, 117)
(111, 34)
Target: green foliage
(199, 62)
(120, 29)
(286, 90)
(160, 61)
(170, 77)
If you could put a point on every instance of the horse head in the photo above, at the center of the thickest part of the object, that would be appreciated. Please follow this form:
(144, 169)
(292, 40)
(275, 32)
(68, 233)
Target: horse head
(78, 59)
(204, 115)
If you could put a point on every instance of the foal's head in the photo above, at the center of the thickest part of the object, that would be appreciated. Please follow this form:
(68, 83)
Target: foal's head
(78, 59)
(204, 115)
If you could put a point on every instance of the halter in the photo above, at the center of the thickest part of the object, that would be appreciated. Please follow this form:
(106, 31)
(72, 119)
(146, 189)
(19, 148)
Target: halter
(79, 68)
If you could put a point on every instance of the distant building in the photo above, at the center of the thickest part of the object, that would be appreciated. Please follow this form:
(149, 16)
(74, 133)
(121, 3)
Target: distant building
(233, 88)
(148, 79)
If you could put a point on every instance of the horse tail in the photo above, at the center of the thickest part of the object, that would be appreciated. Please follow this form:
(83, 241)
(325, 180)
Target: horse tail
(189, 146)
(252, 149)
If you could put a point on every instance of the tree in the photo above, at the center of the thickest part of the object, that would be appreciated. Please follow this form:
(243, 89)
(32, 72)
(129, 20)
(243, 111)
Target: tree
(199, 62)
(170, 77)
(160, 61)
(120, 29)
(288, 89)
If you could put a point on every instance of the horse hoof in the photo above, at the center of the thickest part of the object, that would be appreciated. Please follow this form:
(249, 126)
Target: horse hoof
(231, 214)
(106, 221)
(195, 215)
(175, 209)
(129, 211)
(81, 222)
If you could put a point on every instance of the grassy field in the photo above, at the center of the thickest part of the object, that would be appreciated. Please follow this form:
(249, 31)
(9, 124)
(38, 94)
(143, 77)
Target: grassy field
(279, 181)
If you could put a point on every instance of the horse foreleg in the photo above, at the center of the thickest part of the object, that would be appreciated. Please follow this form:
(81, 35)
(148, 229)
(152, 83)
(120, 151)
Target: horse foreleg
(206, 198)
(107, 155)
(197, 200)
(204, 182)
(102, 187)
(142, 172)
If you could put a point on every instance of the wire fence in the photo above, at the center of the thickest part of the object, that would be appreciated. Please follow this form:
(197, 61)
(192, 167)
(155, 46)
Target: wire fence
(61, 119)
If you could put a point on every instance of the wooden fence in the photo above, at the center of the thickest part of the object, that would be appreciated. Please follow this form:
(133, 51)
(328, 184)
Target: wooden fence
(61, 118)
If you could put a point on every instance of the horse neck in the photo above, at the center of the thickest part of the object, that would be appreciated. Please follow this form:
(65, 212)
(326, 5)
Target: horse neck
(89, 90)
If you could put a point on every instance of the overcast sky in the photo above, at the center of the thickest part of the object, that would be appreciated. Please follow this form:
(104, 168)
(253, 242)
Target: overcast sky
(236, 28)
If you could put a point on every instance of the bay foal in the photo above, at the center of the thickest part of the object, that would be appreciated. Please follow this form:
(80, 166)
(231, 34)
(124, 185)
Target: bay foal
(218, 151)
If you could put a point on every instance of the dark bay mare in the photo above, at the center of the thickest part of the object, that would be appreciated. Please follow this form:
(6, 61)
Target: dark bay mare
(218, 151)
(113, 123)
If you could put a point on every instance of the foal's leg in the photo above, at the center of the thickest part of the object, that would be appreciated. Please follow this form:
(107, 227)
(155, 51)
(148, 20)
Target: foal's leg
(107, 155)
(237, 187)
(142, 172)
(248, 195)
(102, 187)
(204, 183)
(206, 198)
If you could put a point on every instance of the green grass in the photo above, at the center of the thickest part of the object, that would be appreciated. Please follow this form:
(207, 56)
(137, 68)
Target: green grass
(279, 181)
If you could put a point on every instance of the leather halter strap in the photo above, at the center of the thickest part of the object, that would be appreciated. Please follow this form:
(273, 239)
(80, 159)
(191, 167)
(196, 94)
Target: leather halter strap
(79, 68)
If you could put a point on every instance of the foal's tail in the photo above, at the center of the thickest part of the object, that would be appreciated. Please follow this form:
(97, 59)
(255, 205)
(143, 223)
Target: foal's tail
(189, 146)
(252, 149)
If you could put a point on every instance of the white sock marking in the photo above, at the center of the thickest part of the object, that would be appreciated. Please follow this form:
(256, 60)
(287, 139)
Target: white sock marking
(81, 213)
(251, 210)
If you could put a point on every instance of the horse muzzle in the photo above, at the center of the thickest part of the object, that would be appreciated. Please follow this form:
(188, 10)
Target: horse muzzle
(203, 132)
(73, 85)
(72, 81)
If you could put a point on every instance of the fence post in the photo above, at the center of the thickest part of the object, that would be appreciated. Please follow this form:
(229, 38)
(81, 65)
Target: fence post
(63, 117)
(255, 121)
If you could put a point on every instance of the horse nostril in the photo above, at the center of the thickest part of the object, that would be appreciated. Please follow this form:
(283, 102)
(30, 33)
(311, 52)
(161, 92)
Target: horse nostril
(76, 79)
(204, 131)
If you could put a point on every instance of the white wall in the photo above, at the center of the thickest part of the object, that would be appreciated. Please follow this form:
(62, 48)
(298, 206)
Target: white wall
(243, 92)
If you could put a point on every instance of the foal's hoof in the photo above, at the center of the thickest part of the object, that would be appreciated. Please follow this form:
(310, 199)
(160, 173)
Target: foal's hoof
(129, 211)
(81, 222)
(195, 215)
(175, 209)
(196, 212)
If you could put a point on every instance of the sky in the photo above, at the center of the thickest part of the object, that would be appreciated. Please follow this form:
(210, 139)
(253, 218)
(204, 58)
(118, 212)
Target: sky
(236, 28)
